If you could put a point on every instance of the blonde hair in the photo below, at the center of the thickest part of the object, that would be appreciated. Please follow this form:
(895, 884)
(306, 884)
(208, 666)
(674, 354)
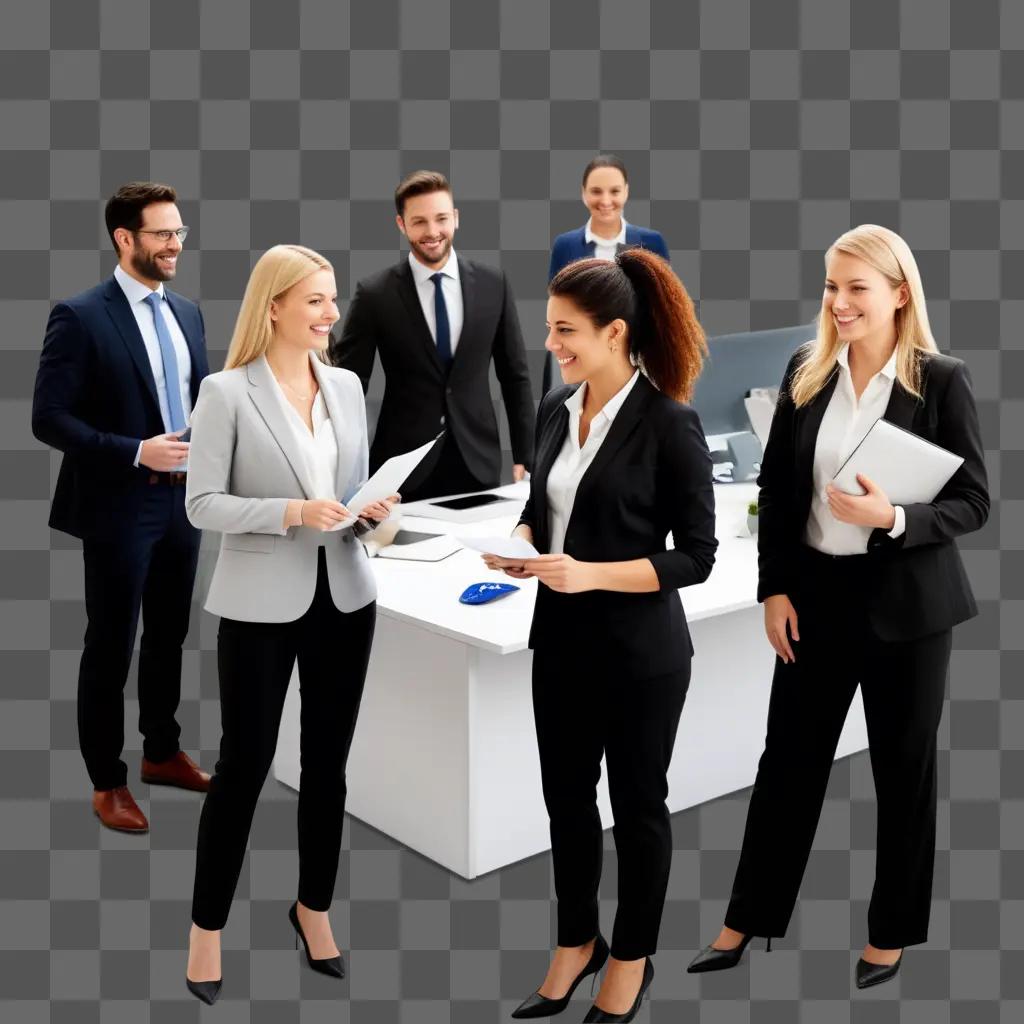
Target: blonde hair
(890, 256)
(278, 269)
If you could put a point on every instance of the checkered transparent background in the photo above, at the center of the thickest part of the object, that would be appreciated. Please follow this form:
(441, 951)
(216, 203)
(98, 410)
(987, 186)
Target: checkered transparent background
(754, 132)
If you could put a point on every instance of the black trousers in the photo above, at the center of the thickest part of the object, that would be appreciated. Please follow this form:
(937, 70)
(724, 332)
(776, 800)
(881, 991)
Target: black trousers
(152, 567)
(254, 661)
(581, 712)
(903, 687)
(445, 474)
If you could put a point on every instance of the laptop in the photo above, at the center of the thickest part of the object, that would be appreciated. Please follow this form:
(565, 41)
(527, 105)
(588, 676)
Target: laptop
(908, 468)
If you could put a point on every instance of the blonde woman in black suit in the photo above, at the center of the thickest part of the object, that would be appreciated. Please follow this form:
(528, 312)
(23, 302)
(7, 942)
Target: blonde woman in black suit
(857, 591)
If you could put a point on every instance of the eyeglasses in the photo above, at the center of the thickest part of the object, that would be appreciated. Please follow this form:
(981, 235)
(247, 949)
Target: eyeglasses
(165, 235)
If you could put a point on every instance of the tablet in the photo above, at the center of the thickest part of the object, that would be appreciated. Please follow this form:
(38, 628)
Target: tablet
(469, 501)
(908, 468)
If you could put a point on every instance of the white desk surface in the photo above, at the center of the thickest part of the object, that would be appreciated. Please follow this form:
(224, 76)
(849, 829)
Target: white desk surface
(427, 593)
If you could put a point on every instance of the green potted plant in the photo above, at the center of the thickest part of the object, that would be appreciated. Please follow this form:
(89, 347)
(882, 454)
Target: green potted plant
(752, 517)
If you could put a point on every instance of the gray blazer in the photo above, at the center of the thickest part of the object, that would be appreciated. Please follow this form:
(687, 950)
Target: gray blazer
(244, 466)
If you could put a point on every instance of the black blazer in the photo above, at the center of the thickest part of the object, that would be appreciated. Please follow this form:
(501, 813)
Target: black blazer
(921, 587)
(420, 400)
(651, 476)
(95, 400)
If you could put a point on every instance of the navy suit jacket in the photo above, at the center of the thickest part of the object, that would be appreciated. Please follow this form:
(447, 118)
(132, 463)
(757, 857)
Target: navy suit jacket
(572, 245)
(95, 400)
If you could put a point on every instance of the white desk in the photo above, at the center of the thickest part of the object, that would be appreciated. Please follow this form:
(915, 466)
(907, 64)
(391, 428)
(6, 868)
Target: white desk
(444, 757)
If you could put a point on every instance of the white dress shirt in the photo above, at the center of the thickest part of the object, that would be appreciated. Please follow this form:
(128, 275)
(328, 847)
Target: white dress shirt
(604, 248)
(573, 461)
(319, 449)
(451, 288)
(136, 293)
(843, 427)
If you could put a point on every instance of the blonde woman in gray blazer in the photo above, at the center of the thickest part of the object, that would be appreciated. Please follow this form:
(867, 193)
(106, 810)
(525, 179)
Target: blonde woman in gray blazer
(277, 437)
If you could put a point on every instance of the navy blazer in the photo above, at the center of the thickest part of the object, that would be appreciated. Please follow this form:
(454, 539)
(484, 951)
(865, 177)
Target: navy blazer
(650, 477)
(921, 586)
(573, 245)
(95, 400)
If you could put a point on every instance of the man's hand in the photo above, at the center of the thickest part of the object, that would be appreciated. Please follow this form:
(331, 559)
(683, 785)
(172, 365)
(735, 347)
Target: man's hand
(164, 453)
(518, 472)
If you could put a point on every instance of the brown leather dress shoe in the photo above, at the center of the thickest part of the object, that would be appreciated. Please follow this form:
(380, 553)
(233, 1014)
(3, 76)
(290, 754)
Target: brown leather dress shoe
(179, 770)
(117, 809)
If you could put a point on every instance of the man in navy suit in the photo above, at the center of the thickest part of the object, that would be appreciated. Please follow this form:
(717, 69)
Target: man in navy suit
(118, 375)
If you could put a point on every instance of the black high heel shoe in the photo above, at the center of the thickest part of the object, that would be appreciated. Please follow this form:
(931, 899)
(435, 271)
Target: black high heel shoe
(206, 991)
(540, 1006)
(333, 966)
(869, 974)
(596, 1014)
(711, 959)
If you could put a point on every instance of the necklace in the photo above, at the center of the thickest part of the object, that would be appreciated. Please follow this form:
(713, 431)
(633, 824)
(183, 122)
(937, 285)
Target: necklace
(294, 391)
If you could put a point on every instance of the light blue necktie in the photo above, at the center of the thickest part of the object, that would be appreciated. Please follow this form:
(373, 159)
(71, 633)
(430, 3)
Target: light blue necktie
(172, 383)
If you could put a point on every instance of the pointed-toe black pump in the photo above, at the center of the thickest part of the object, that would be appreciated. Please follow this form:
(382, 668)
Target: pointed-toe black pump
(205, 991)
(712, 959)
(869, 974)
(332, 966)
(596, 1014)
(540, 1006)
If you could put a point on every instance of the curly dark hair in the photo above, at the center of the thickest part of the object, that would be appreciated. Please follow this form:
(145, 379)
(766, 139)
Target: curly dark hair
(665, 337)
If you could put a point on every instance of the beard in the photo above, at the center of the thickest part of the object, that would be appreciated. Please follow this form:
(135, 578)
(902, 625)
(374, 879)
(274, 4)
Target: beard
(145, 264)
(429, 258)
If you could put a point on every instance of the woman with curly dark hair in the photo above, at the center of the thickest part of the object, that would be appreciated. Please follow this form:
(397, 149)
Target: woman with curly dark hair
(621, 462)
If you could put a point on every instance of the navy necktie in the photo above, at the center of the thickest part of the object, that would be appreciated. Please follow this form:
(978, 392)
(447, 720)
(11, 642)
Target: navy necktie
(444, 331)
(172, 383)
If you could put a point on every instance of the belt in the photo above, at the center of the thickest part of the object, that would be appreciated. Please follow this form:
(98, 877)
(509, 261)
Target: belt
(168, 478)
(823, 557)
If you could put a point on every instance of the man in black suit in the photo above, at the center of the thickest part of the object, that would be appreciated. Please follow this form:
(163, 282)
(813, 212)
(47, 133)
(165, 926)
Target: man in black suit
(118, 375)
(438, 320)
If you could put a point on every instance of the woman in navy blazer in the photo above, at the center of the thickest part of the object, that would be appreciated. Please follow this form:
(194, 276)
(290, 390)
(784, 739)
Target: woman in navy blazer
(604, 193)
(621, 462)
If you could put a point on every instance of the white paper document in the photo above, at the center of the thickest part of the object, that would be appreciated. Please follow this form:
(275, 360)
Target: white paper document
(908, 468)
(503, 547)
(386, 481)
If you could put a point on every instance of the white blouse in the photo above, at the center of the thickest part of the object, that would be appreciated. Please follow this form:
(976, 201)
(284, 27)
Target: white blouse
(573, 461)
(605, 248)
(319, 449)
(843, 427)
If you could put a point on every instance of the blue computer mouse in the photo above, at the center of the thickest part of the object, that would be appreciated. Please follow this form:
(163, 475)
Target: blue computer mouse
(481, 593)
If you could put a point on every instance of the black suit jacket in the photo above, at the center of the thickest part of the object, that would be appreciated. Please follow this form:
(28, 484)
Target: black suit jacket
(921, 587)
(95, 400)
(651, 476)
(420, 400)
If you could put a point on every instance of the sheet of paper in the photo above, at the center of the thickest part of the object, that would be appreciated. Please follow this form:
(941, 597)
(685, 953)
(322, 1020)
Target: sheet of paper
(503, 547)
(386, 481)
